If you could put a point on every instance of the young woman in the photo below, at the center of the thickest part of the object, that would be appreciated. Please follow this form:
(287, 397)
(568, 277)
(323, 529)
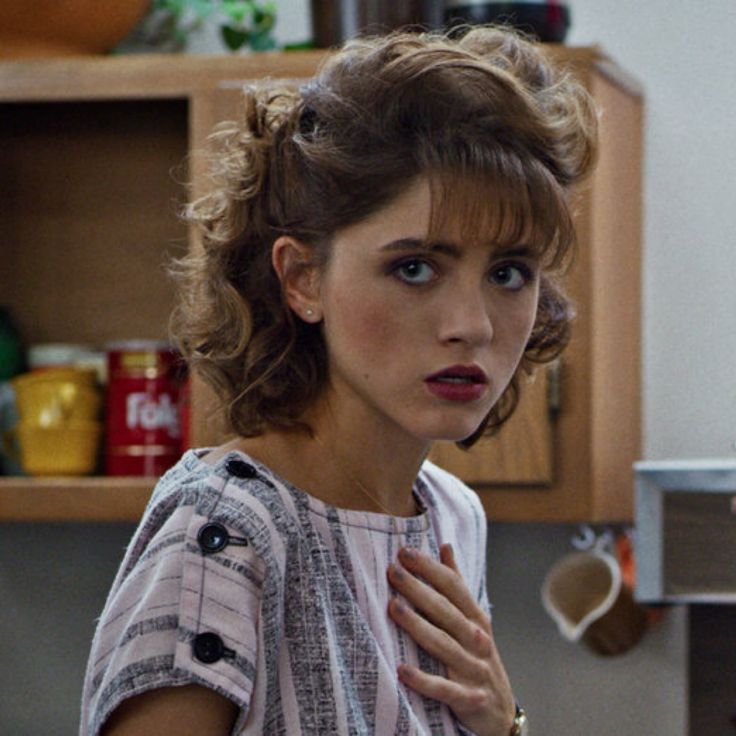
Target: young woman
(375, 273)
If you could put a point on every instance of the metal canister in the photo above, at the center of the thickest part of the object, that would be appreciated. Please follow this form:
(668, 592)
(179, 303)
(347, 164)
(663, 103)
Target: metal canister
(336, 21)
(142, 422)
(547, 20)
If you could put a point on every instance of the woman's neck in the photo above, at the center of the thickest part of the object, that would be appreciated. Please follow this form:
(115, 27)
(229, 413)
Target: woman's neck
(342, 465)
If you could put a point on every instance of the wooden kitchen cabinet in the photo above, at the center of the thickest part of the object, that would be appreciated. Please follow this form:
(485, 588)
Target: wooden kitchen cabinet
(94, 157)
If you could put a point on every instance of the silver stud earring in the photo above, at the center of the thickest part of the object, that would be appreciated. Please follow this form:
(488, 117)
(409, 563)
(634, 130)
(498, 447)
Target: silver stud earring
(310, 312)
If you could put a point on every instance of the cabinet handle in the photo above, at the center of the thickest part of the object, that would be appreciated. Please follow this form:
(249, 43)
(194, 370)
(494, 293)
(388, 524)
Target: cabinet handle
(554, 389)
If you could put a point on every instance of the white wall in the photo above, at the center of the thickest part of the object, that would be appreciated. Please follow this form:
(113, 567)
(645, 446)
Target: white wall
(683, 54)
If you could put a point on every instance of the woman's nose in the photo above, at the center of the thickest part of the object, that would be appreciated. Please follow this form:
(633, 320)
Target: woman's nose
(467, 319)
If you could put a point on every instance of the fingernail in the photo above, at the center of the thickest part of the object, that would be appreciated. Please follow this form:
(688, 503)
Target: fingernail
(399, 606)
(409, 553)
(396, 572)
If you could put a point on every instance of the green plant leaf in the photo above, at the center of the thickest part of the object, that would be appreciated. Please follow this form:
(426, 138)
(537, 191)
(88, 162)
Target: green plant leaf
(236, 9)
(265, 23)
(234, 38)
(262, 42)
(173, 6)
(240, 22)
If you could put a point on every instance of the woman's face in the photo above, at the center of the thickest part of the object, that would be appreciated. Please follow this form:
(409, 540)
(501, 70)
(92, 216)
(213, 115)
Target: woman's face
(423, 337)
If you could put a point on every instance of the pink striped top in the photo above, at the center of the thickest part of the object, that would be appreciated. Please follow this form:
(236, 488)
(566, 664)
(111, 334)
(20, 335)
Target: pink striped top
(241, 582)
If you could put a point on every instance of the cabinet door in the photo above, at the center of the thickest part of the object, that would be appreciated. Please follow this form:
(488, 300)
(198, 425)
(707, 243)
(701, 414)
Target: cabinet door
(521, 452)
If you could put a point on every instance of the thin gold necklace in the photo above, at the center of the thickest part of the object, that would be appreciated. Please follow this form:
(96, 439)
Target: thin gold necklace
(352, 477)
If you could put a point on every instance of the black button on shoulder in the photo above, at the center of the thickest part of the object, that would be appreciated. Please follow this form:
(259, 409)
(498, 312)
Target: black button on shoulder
(240, 468)
(209, 648)
(213, 538)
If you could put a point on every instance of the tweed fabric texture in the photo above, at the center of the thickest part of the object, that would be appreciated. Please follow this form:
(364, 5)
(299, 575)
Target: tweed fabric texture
(299, 612)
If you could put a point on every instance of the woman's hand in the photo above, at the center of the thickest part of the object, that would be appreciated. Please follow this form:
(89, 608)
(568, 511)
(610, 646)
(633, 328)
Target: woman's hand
(450, 625)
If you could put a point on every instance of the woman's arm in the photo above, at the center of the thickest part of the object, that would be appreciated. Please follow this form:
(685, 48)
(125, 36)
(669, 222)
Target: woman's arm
(190, 710)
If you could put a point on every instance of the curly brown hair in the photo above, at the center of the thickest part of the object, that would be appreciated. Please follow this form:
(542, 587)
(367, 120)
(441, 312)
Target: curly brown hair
(501, 134)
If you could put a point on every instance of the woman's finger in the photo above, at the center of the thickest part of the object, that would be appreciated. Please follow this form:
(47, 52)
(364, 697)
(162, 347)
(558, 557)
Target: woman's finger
(461, 663)
(446, 579)
(439, 611)
(460, 698)
(447, 557)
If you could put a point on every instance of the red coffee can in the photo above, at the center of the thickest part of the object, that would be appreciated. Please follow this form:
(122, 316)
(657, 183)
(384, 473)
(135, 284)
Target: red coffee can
(142, 421)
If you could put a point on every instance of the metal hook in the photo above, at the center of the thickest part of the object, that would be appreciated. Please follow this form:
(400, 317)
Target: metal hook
(584, 539)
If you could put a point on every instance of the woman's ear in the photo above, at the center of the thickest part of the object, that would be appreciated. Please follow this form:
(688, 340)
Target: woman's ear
(294, 264)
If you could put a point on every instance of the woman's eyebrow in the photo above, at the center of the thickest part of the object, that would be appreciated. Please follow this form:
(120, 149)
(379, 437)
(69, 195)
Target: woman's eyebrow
(406, 244)
(514, 251)
(454, 250)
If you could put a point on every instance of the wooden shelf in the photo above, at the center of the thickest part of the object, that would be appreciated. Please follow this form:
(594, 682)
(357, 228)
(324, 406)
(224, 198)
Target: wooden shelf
(142, 76)
(131, 76)
(90, 499)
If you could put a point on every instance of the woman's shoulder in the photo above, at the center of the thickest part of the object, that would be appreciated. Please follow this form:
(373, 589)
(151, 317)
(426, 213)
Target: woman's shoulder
(185, 605)
(233, 493)
(185, 476)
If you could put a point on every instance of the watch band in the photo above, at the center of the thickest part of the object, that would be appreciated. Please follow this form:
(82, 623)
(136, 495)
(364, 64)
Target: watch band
(520, 726)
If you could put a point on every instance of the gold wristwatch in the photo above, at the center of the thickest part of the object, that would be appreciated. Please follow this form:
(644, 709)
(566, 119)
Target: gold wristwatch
(521, 723)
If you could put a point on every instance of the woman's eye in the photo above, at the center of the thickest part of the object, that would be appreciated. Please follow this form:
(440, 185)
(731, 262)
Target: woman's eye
(415, 272)
(512, 276)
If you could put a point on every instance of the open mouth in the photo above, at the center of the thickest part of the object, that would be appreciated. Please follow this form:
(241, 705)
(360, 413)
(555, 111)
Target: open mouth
(458, 383)
(459, 374)
(455, 379)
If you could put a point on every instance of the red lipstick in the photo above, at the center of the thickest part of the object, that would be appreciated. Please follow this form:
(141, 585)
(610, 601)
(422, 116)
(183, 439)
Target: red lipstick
(461, 383)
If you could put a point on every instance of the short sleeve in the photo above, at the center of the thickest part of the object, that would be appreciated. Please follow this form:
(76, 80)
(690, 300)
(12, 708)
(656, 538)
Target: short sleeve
(186, 612)
(217, 641)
